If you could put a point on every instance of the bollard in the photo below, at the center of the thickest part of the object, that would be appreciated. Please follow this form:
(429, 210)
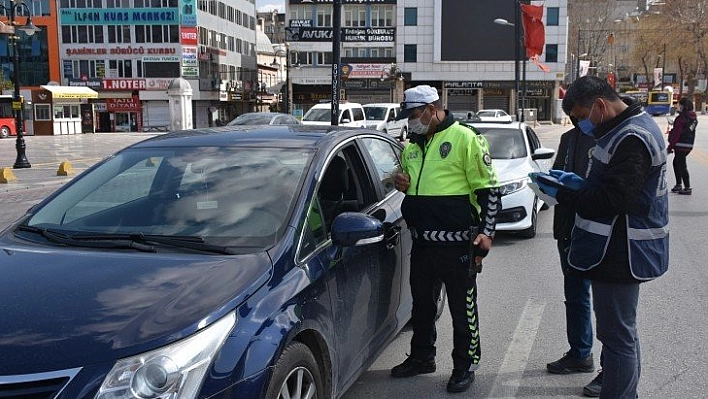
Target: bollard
(6, 175)
(65, 169)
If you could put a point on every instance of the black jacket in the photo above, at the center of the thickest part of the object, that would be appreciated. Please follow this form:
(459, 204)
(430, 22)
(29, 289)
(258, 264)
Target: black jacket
(624, 178)
(573, 156)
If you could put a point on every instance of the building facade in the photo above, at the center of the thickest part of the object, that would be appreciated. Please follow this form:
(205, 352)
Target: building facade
(130, 50)
(453, 45)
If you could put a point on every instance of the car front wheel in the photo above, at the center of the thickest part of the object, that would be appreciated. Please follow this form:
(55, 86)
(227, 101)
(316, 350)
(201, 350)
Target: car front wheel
(404, 134)
(531, 231)
(296, 374)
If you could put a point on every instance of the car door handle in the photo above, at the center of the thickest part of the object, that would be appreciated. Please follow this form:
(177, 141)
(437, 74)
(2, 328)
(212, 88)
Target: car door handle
(393, 236)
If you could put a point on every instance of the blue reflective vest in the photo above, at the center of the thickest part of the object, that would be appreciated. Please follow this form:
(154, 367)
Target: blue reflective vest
(647, 235)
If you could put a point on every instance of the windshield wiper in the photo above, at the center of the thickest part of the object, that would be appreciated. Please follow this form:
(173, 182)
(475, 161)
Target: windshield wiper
(137, 241)
(119, 242)
(190, 242)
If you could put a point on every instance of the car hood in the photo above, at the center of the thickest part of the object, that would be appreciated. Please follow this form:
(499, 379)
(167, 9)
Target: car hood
(66, 308)
(512, 169)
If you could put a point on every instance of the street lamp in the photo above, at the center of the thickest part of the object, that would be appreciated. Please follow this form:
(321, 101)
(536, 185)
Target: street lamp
(393, 73)
(29, 29)
(518, 45)
(288, 88)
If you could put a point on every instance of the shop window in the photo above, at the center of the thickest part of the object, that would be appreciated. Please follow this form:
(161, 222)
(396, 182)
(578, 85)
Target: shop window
(42, 112)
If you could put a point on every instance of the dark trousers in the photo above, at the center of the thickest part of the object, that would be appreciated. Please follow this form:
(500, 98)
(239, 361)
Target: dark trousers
(578, 310)
(431, 265)
(616, 315)
(681, 169)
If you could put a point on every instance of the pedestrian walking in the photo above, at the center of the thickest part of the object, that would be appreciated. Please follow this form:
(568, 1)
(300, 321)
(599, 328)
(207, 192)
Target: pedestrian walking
(452, 200)
(681, 138)
(620, 237)
(573, 156)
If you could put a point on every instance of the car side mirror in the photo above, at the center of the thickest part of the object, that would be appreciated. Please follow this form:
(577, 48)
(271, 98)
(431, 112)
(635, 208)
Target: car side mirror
(351, 229)
(543, 153)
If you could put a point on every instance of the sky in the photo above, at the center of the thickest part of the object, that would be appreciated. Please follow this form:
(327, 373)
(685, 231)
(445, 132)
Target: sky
(269, 5)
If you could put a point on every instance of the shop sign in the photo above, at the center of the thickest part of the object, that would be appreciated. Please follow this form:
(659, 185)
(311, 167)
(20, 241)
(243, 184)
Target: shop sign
(119, 16)
(300, 23)
(363, 70)
(124, 84)
(191, 72)
(357, 2)
(122, 104)
(161, 58)
(349, 35)
(157, 84)
(94, 83)
(188, 35)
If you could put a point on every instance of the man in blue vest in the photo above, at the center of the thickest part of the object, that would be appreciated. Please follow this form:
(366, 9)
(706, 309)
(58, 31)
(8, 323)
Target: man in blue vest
(621, 235)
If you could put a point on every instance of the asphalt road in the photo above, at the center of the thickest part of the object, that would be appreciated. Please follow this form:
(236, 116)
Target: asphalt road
(522, 317)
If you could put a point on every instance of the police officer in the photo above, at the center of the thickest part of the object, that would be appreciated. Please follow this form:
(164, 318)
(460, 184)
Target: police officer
(451, 186)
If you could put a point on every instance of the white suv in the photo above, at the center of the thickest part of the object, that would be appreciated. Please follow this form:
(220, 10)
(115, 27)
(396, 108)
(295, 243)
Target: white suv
(350, 114)
(382, 117)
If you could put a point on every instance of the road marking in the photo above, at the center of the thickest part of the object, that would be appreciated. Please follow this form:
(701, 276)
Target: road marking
(517, 354)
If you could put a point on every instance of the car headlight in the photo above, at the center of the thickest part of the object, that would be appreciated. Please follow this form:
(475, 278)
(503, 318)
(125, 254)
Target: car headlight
(513, 186)
(174, 371)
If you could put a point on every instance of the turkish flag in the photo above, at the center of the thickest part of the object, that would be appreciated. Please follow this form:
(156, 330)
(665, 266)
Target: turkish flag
(534, 31)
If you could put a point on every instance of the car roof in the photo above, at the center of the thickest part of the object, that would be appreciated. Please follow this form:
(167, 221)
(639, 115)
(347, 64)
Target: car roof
(382, 105)
(280, 136)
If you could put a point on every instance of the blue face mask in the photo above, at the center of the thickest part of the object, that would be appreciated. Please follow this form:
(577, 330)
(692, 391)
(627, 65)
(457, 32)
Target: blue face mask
(586, 125)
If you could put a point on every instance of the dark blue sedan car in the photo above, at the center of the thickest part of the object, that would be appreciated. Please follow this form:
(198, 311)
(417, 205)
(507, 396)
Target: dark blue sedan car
(239, 262)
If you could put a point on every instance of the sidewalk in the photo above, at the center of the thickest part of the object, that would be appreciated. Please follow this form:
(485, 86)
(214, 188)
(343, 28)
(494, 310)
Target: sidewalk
(46, 153)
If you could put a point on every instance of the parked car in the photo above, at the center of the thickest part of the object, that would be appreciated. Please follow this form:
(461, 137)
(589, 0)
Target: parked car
(264, 118)
(350, 114)
(493, 115)
(382, 117)
(516, 151)
(247, 262)
(465, 116)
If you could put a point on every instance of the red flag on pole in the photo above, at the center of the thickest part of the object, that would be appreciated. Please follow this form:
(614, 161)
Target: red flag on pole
(534, 33)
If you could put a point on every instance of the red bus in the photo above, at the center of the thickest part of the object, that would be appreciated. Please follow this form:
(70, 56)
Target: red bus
(7, 117)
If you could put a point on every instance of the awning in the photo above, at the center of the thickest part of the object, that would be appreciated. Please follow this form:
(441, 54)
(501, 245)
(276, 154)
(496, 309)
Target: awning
(75, 92)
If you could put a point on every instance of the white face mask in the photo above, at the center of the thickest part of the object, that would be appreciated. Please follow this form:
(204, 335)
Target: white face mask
(415, 126)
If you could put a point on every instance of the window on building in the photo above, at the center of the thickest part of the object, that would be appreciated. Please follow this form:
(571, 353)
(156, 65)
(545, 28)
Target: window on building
(82, 34)
(42, 112)
(381, 15)
(120, 69)
(88, 68)
(119, 34)
(161, 69)
(355, 16)
(552, 16)
(324, 17)
(301, 12)
(117, 4)
(410, 16)
(66, 111)
(41, 8)
(410, 53)
(231, 43)
(324, 58)
(551, 53)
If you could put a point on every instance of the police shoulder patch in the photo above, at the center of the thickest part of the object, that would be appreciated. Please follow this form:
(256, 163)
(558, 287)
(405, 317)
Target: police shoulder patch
(487, 159)
(445, 149)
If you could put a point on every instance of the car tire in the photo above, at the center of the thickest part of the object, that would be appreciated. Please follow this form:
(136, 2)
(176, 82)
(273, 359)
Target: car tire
(296, 374)
(404, 134)
(440, 301)
(531, 231)
(4, 132)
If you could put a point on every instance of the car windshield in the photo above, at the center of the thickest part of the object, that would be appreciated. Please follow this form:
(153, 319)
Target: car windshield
(319, 115)
(375, 113)
(251, 119)
(504, 143)
(228, 196)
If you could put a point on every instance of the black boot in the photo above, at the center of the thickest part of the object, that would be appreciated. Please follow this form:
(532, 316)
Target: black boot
(460, 381)
(411, 367)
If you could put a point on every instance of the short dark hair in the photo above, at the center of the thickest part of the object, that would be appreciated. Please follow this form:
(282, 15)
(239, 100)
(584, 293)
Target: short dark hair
(686, 104)
(585, 90)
